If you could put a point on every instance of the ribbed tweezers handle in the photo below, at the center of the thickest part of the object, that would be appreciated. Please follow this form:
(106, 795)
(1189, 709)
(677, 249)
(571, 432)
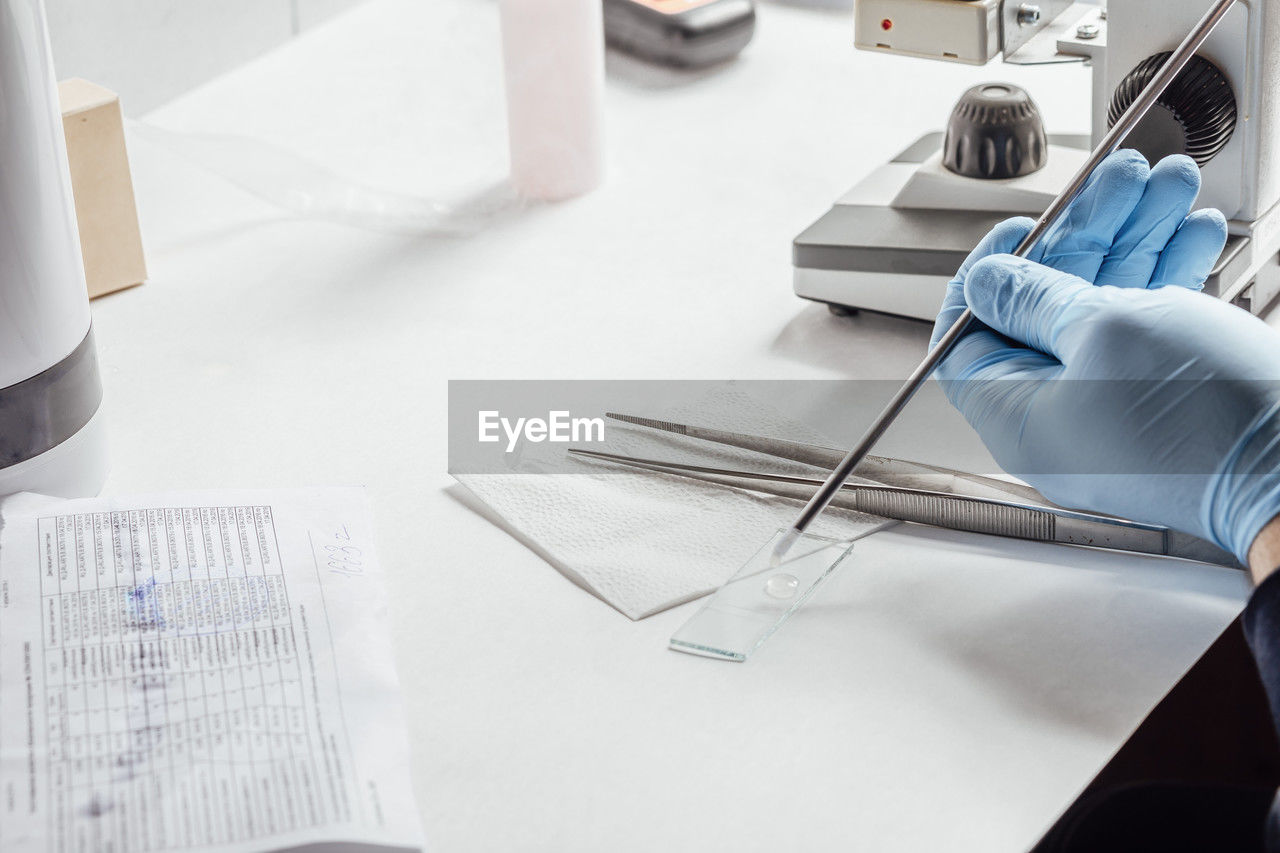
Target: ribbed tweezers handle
(993, 518)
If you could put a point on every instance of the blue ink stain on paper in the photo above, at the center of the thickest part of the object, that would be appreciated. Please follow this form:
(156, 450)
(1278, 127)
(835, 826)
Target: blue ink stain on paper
(146, 611)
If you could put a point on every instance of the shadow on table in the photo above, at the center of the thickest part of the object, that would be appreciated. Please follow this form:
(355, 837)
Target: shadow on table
(864, 345)
(649, 76)
(1034, 647)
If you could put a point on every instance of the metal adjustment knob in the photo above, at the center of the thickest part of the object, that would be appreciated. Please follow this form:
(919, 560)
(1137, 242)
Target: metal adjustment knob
(995, 131)
(1195, 116)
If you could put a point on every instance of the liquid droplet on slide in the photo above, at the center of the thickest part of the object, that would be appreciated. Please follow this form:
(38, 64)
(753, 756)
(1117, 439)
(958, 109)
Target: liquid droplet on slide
(782, 586)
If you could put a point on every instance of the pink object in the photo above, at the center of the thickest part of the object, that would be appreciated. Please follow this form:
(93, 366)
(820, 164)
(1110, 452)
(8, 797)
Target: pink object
(553, 56)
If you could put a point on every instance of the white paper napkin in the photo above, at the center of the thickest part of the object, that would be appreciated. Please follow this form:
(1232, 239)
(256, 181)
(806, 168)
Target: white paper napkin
(644, 542)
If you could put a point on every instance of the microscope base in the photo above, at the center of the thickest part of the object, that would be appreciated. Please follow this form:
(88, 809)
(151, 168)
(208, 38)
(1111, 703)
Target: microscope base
(866, 254)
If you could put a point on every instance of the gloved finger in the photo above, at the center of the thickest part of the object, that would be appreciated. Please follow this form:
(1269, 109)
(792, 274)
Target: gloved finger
(1002, 239)
(1024, 300)
(1192, 251)
(985, 353)
(1170, 192)
(1080, 240)
(993, 382)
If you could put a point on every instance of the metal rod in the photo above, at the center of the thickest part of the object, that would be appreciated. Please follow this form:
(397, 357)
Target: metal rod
(1177, 60)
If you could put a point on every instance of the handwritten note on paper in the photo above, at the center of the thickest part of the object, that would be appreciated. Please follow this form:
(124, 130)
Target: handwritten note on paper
(206, 671)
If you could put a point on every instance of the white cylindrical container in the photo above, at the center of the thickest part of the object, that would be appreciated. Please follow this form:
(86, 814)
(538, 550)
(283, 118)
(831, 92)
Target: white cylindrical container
(50, 432)
(553, 59)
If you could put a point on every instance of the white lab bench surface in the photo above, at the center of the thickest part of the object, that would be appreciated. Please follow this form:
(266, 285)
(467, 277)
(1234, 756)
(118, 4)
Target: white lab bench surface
(945, 691)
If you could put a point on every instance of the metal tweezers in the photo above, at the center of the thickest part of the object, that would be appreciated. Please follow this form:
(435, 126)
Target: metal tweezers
(924, 494)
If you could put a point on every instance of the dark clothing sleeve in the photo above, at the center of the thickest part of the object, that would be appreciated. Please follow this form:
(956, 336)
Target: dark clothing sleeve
(1262, 631)
(1187, 816)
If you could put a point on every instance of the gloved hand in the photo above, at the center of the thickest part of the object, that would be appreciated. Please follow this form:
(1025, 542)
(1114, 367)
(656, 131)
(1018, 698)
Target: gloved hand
(1150, 402)
(1129, 227)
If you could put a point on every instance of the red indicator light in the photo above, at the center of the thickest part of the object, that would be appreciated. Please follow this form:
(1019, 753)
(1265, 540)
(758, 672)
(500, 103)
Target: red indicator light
(886, 24)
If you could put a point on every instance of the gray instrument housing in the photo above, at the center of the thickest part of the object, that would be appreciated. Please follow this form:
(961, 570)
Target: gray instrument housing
(699, 36)
(879, 239)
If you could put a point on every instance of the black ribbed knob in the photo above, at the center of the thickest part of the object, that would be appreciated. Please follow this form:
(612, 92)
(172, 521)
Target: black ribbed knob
(995, 131)
(1195, 116)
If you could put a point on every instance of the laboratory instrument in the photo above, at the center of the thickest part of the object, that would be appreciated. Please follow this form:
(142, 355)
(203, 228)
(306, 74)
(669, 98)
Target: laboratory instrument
(893, 240)
(923, 494)
(1132, 115)
(681, 33)
(51, 430)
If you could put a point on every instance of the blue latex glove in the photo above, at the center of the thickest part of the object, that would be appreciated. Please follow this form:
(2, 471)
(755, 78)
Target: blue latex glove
(1132, 398)
(1131, 226)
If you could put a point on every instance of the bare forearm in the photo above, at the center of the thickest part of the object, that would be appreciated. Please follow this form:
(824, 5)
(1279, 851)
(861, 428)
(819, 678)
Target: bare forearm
(1264, 553)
